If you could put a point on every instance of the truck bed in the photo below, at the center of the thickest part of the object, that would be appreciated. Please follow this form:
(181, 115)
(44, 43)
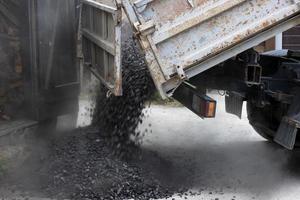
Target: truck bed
(182, 38)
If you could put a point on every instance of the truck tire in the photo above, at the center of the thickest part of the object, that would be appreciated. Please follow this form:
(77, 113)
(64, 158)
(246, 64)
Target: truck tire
(263, 122)
(259, 120)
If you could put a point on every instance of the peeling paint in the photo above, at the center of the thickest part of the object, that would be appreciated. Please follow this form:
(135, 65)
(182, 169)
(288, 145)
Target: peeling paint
(187, 35)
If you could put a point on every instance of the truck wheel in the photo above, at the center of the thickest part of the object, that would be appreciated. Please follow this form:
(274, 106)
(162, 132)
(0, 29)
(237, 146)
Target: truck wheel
(263, 121)
(259, 119)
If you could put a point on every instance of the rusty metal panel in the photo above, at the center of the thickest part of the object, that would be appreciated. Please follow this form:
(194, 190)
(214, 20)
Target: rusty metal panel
(101, 37)
(194, 35)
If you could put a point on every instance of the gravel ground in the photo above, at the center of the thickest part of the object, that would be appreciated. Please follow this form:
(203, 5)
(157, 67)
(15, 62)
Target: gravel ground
(221, 158)
(80, 165)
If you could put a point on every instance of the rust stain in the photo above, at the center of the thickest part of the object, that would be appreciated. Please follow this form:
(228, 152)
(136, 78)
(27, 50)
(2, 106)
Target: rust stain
(177, 8)
(237, 39)
(200, 2)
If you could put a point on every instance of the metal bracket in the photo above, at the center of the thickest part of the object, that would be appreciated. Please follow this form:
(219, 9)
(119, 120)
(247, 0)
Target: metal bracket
(146, 28)
(181, 73)
(292, 121)
(253, 71)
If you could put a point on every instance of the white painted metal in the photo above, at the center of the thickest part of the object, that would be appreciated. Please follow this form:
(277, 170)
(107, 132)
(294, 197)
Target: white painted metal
(101, 41)
(182, 38)
(198, 34)
(105, 6)
(278, 42)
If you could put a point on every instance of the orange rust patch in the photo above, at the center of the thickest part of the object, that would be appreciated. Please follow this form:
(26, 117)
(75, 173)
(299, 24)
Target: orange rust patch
(200, 2)
(176, 8)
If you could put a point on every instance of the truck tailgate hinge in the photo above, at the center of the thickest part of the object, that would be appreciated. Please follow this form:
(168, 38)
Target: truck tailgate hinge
(181, 73)
(146, 28)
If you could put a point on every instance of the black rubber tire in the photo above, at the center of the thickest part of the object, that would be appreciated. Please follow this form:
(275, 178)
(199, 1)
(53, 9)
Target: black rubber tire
(261, 124)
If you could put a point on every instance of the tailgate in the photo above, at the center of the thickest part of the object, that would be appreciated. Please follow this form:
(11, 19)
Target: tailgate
(101, 41)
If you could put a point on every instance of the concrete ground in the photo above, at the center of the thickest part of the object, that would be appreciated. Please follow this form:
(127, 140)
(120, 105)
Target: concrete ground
(222, 158)
(216, 159)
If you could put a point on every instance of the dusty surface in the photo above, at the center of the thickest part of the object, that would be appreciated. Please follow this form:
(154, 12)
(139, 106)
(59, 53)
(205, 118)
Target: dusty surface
(80, 165)
(219, 159)
(222, 158)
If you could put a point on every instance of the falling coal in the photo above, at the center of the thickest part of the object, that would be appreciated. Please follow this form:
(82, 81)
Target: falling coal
(118, 117)
(89, 163)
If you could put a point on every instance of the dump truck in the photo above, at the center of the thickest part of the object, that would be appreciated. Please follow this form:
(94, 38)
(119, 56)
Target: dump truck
(190, 47)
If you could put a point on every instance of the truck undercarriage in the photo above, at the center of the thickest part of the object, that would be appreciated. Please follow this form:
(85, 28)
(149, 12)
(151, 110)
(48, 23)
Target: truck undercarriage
(268, 82)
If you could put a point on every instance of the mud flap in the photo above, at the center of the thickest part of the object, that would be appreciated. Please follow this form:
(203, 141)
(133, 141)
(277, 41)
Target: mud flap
(234, 103)
(290, 125)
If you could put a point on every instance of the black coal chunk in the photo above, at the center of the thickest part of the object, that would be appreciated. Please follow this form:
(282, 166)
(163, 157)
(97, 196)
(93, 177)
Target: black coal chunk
(118, 117)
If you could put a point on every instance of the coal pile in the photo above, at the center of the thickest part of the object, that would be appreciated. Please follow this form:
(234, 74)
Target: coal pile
(119, 117)
(82, 166)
